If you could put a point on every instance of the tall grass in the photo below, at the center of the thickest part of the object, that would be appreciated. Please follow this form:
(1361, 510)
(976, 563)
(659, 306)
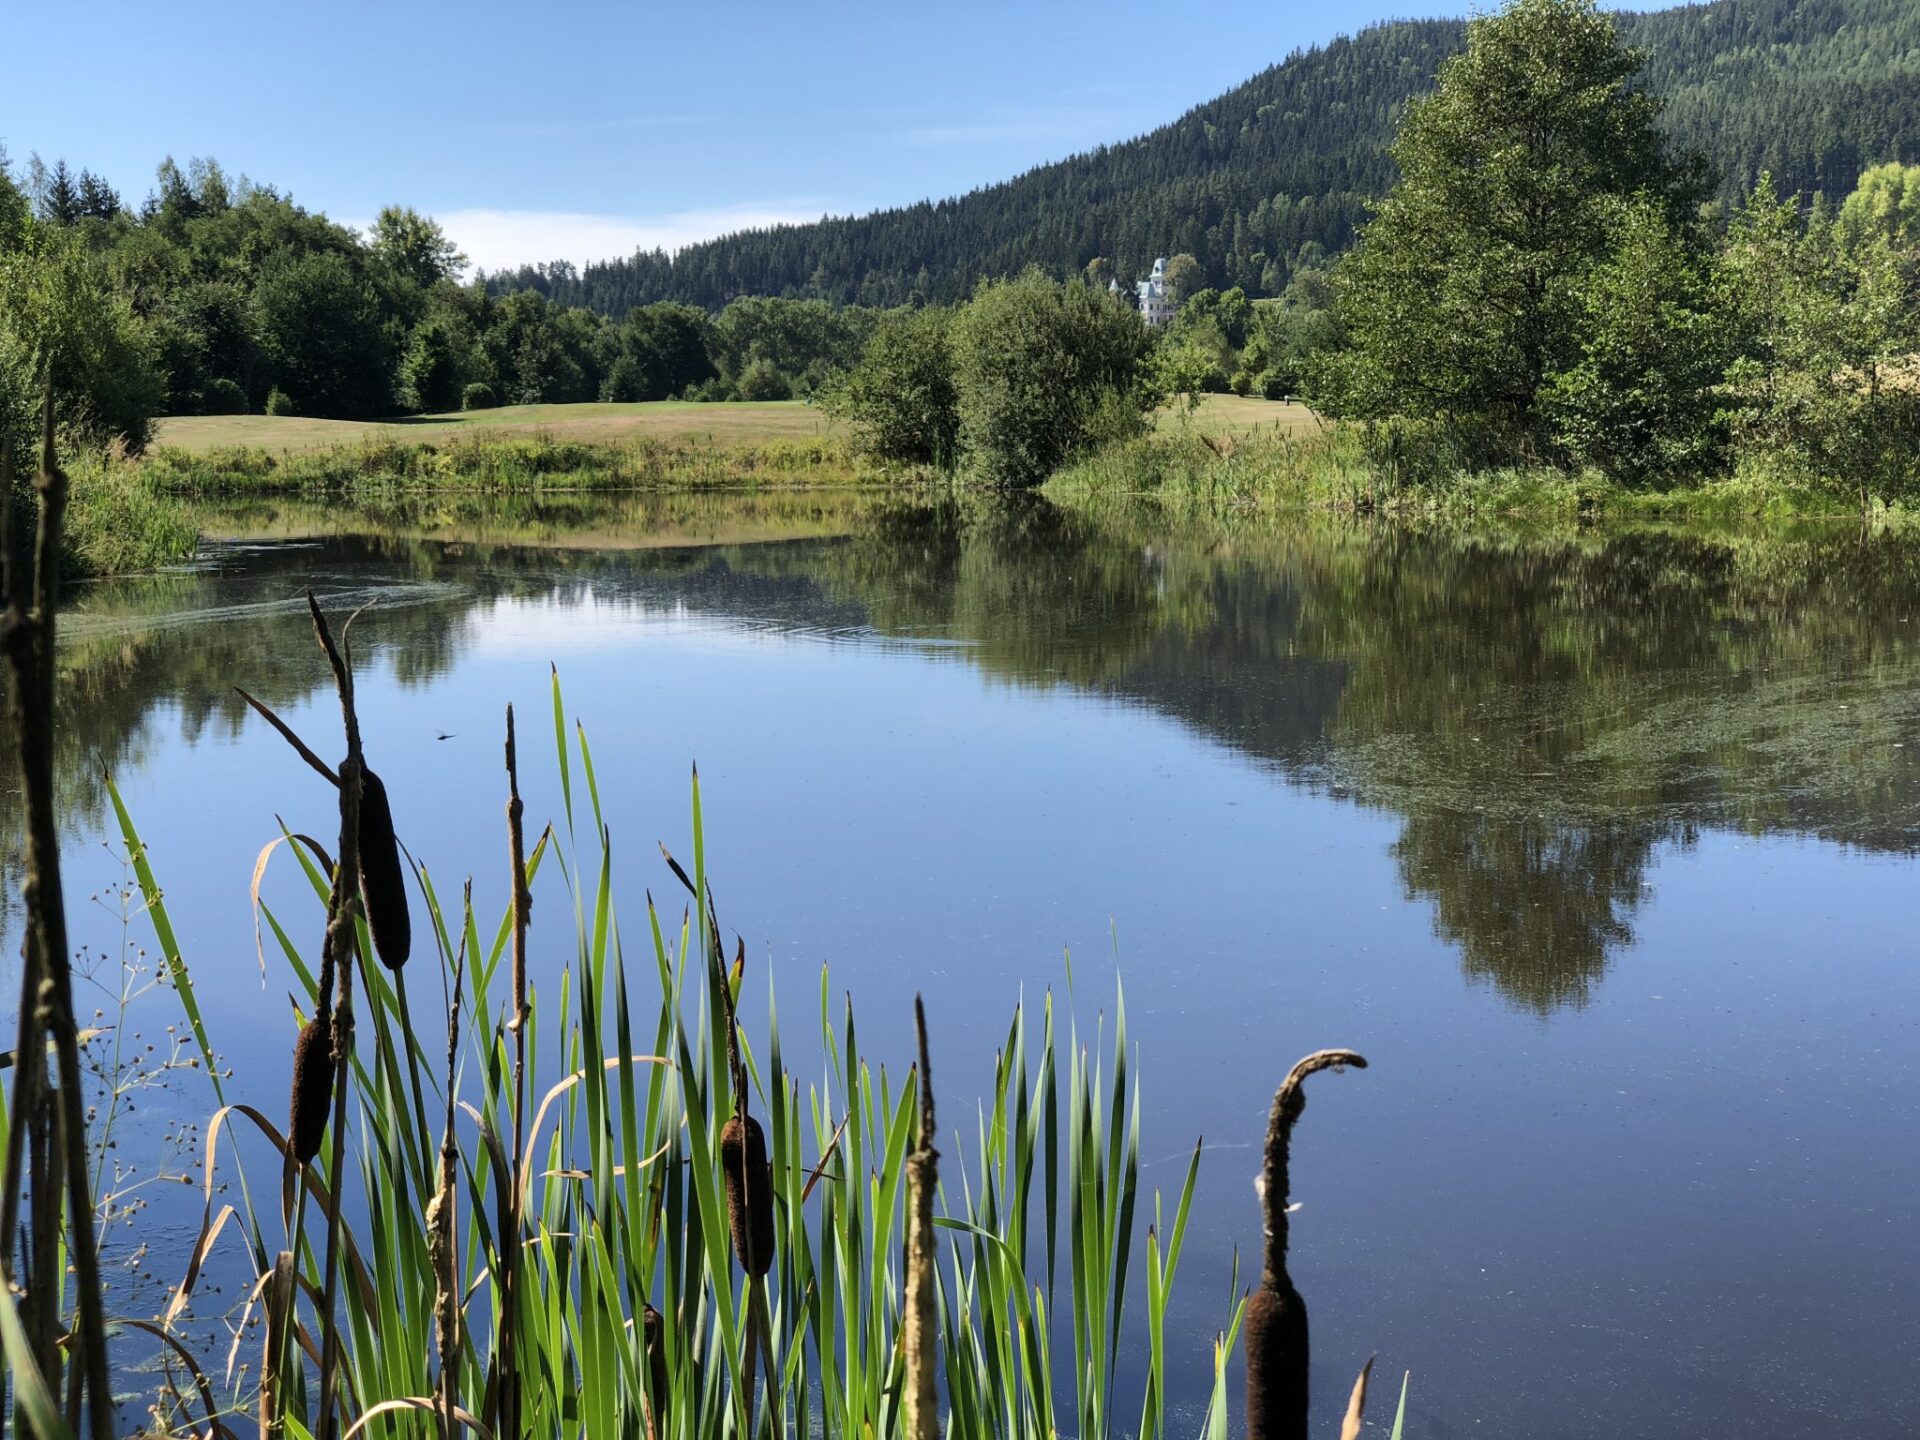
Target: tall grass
(503, 463)
(1417, 471)
(602, 1197)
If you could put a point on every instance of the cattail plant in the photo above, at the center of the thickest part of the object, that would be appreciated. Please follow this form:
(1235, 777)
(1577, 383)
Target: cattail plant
(339, 947)
(1276, 1320)
(743, 1157)
(441, 1245)
(46, 984)
(383, 881)
(922, 1333)
(312, 1087)
(653, 1345)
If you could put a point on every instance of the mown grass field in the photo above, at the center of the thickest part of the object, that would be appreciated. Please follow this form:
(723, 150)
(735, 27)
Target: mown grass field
(724, 424)
(738, 423)
(1240, 415)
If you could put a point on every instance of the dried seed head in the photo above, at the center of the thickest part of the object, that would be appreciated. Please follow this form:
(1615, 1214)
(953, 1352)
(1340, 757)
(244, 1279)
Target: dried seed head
(1276, 1331)
(743, 1156)
(383, 881)
(653, 1340)
(312, 1089)
(1276, 1323)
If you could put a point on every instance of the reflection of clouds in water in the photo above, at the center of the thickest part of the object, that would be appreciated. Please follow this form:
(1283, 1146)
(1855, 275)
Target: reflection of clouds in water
(1543, 714)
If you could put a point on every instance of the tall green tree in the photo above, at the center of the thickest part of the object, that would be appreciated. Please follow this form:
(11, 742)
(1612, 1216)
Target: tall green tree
(1462, 301)
(415, 246)
(319, 321)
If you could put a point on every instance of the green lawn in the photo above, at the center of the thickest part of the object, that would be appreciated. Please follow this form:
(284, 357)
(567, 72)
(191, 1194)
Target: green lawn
(725, 423)
(730, 423)
(1242, 415)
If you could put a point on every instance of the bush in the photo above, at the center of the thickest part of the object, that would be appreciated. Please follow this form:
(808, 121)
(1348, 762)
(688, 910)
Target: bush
(279, 402)
(1035, 364)
(712, 389)
(478, 396)
(900, 398)
(762, 380)
(223, 397)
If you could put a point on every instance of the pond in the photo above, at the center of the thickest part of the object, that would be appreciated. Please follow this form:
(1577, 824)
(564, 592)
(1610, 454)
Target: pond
(1599, 845)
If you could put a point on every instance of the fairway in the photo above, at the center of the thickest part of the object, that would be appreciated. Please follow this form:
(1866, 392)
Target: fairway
(727, 423)
(1241, 415)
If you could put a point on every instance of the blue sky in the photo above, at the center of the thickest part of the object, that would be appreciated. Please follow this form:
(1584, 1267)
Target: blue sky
(581, 130)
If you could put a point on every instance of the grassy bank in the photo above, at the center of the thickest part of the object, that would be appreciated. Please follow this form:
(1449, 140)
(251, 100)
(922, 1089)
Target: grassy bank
(1345, 470)
(140, 514)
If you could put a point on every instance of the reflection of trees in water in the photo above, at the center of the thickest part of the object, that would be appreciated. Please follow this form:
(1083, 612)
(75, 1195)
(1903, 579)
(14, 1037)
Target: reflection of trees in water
(1543, 713)
(1536, 907)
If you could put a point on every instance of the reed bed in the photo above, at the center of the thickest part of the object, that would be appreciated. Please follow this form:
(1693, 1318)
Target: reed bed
(501, 464)
(667, 1233)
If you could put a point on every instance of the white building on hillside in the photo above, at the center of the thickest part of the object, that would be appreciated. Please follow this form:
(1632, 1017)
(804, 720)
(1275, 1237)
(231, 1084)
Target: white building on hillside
(1156, 300)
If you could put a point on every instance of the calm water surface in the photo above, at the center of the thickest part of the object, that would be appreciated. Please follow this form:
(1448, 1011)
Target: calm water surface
(1599, 846)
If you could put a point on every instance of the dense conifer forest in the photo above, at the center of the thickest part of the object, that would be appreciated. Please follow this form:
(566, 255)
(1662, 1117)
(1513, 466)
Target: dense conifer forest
(1812, 91)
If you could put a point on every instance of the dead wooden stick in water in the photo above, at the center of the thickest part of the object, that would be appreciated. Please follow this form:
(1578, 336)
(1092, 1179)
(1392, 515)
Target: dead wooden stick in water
(1276, 1323)
(46, 1010)
(923, 1176)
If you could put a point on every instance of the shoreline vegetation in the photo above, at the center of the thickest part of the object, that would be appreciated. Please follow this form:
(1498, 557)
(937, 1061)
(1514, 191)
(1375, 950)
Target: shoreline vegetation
(492, 1267)
(145, 513)
(1631, 345)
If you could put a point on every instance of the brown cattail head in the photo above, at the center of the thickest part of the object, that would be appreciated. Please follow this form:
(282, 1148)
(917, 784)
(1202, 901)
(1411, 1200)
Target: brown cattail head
(653, 1340)
(1276, 1323)
(1276, 1331)
(743, 1156)
(383, 881)
(312, 1088)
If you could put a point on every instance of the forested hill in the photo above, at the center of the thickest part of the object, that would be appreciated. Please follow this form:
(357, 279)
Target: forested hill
(1811, 90)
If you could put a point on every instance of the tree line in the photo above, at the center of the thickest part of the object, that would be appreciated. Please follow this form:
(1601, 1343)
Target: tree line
(1261, 181)
(218, 295)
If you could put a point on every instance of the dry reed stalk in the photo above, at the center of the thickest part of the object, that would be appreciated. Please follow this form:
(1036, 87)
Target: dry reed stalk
(27, 636)
(1276, 1320)
(273, 1349)
(506, 1415)
(923, 1177)
(440, 1222)
(342, 941)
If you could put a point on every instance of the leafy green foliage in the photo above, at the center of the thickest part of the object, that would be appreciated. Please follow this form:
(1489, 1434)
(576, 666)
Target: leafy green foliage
(1639, 401)
(1463, 300)
(900, 399)
(1043, 370)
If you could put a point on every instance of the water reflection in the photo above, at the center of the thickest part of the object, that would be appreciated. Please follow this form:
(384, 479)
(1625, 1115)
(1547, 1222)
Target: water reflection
(1543, 714)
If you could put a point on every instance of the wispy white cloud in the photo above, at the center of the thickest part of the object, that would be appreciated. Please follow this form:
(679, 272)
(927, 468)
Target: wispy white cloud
(1057, 122)
(501, 239)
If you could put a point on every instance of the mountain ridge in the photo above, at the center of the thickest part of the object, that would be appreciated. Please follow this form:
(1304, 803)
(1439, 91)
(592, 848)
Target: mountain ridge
(1279, 170)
